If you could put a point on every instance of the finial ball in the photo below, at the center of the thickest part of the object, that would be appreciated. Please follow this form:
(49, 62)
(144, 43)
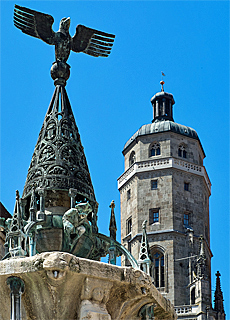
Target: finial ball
(60, 70)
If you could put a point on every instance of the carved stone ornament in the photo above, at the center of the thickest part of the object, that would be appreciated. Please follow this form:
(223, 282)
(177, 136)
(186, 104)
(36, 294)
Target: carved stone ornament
(95, 294)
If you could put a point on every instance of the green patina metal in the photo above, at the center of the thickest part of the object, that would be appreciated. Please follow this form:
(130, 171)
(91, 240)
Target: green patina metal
(58, 209)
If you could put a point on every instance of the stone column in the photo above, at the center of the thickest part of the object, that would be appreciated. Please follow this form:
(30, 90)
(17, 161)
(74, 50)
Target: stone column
(72, 195)
(17, 288)
(95, 294)
(157, 109)
(42, 193)
(23, 206)
(164, 108)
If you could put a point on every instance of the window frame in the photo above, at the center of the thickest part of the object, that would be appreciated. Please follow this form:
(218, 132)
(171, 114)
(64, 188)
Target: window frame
(156, 147)
(154, 184)
(158, 269)
(188, 219)
(182, 152)
(129, 225)
(186, 186)
(128, 194)
(154, 216)
(193, 296)
(132, 158)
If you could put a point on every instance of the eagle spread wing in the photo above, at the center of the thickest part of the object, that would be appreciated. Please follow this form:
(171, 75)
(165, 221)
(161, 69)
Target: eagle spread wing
(92, 42)
(34, 23)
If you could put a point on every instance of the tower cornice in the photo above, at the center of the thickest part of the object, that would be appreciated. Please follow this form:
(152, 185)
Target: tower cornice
(160, 164)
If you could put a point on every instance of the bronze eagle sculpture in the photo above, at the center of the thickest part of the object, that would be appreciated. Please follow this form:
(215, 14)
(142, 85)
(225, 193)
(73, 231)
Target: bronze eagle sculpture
(86, 40)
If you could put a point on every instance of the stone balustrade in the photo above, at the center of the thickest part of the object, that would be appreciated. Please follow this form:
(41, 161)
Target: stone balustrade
(159, 164)
(186, 310)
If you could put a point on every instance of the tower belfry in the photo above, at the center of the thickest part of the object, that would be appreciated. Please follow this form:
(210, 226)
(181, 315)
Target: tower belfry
(166, 184)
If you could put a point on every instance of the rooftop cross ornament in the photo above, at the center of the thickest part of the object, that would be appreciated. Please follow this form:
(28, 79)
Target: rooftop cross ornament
(86, 40)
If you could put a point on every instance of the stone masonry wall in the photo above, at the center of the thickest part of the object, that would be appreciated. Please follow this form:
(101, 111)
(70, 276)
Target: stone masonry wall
(169, 234)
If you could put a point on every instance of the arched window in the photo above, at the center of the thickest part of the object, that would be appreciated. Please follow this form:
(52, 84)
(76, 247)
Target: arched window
(155, 150)
(158, 269)
(182, 151)
(132, 158)
(193, 296)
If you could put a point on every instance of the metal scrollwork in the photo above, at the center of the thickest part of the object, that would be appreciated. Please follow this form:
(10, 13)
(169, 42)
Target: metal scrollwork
(59, 161)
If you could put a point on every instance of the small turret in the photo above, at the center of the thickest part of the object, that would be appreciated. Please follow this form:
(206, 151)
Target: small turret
(162, 103)
(218, 301)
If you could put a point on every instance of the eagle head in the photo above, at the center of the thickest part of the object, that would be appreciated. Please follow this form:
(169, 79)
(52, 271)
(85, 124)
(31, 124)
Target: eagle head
(64, 25)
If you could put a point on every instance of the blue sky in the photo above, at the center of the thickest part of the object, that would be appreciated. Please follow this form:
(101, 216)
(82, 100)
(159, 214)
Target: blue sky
(110, 97)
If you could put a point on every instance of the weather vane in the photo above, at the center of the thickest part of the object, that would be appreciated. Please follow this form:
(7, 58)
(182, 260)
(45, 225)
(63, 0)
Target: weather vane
(86, 40)
(162, 81)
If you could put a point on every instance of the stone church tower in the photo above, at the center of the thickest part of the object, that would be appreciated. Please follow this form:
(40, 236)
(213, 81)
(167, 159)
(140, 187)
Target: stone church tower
(166, 183)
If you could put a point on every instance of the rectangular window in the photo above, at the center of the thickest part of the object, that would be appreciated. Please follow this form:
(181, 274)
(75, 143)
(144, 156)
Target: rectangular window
(129, 225)
(186, 219)
(129, 246)
(186, 186)
(153, 184)
(128, 194)
(153, 216)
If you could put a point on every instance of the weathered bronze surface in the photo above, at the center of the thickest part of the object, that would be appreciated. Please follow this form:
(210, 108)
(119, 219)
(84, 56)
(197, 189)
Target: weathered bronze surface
(59, 162)
(58, 209)
(86, 40)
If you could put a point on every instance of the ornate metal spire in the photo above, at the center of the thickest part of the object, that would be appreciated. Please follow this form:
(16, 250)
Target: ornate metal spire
(144, 259)
(112, 224)
(218, 301)
(113, 231)
(16, 237)
(58, 177)
(59, 162)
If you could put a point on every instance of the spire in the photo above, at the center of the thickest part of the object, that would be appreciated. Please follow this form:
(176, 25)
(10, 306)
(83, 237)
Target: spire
(113, 231)
(33, 206)
(112, 224)
(144, 259)
(200, 263)
(218, 301)
(162, 103)
(16, 237)
(59, 162)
